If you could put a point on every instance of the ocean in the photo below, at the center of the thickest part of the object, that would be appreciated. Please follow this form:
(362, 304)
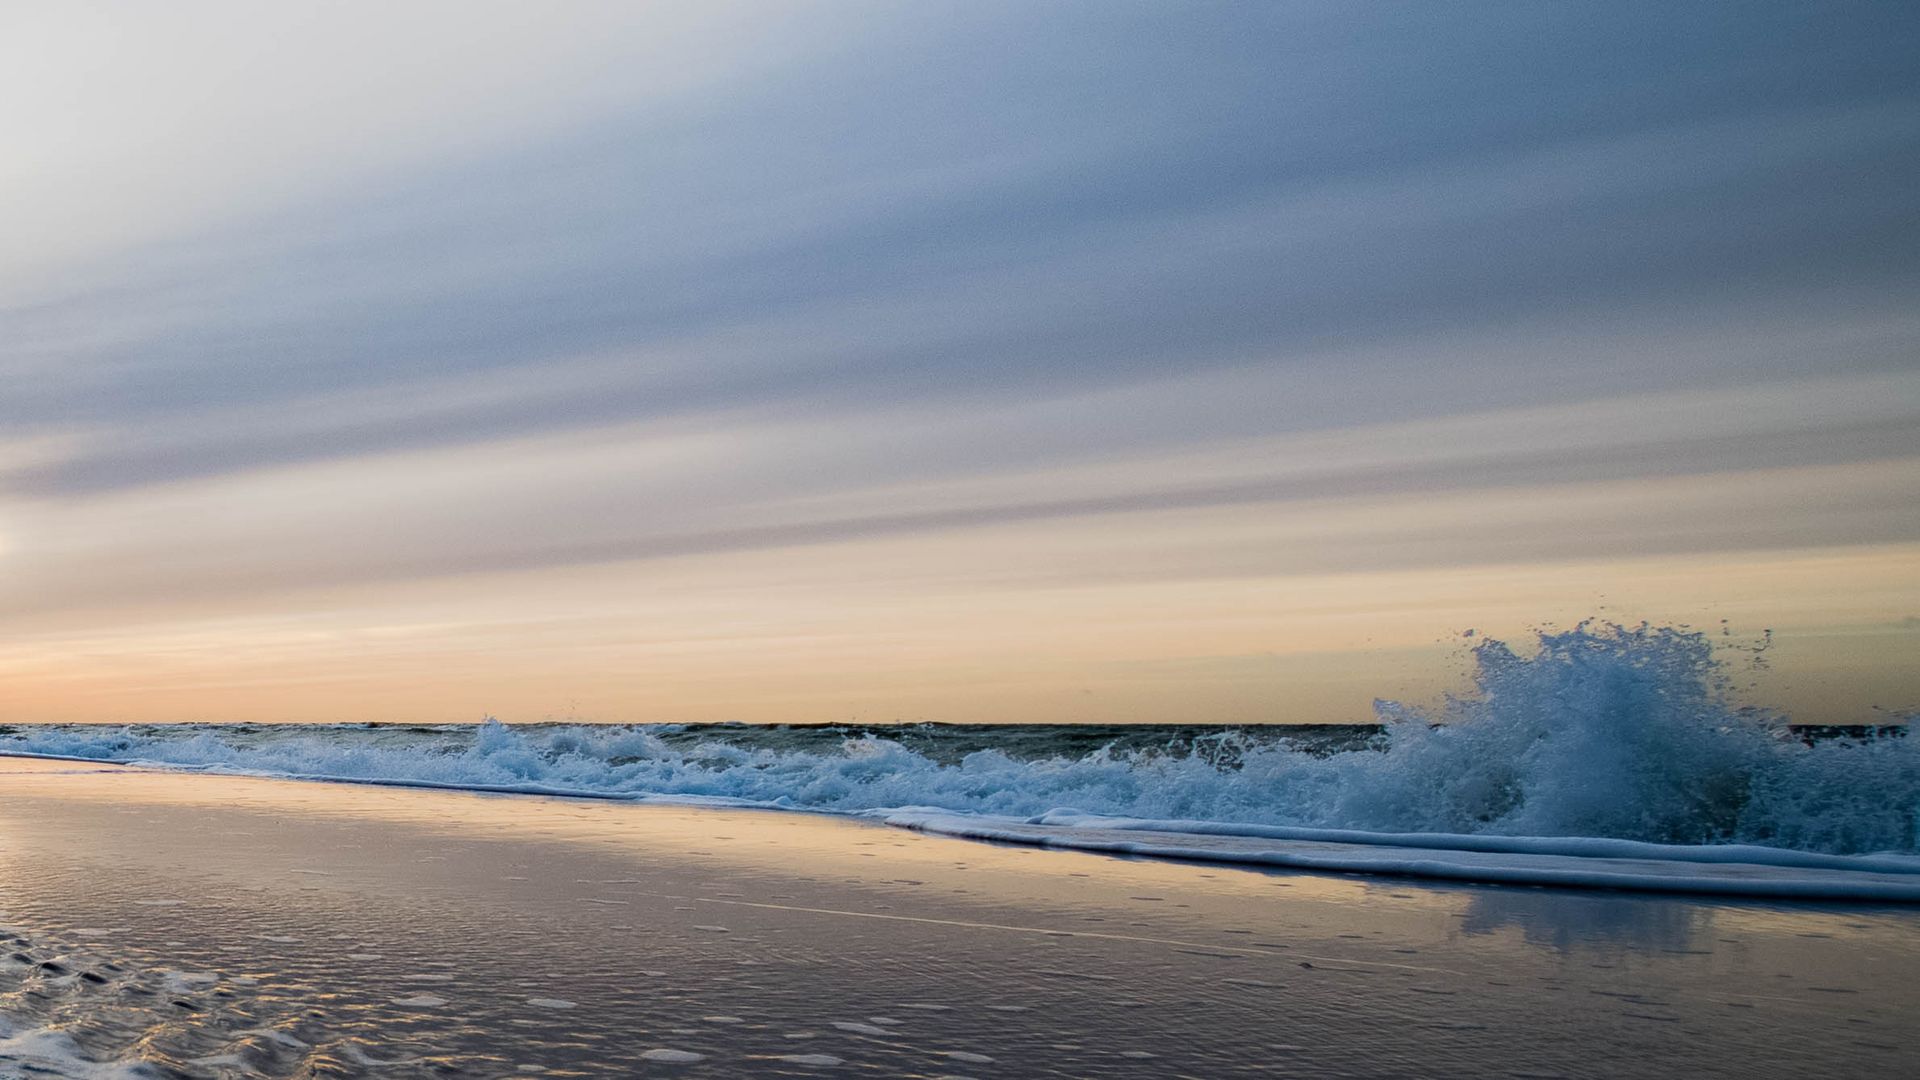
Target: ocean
(1352, 900)
(1601, 733)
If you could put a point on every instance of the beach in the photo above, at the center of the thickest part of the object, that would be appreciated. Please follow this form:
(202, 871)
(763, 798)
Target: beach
(212, 925)
(1078, 541)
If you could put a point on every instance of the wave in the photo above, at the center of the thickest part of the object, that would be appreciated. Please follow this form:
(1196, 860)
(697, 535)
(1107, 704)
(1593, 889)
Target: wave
(1731, 870)
(1602, 732)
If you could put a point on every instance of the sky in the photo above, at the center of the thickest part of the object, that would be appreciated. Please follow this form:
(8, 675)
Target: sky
(945, 361)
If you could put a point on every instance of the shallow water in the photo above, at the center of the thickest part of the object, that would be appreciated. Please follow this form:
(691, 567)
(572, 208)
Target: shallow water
(457, 934)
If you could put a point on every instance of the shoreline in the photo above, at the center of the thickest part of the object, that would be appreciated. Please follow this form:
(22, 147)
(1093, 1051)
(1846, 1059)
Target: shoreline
(1731, 871)
(433, 931)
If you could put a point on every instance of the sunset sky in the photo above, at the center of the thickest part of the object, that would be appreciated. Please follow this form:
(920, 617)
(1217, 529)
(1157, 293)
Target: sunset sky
(945, 361)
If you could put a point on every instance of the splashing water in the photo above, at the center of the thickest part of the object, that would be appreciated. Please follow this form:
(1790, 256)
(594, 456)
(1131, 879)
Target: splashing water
(1599, 731)
(1627, 732)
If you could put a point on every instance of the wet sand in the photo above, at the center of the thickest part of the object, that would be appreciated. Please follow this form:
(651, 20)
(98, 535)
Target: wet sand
(215, 926)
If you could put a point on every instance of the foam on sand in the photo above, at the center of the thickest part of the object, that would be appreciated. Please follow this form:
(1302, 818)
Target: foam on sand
(857, 1028)
(670, 1056)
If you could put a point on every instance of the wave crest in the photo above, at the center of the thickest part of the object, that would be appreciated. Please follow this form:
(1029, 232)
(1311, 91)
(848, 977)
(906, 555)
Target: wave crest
(1602, 730)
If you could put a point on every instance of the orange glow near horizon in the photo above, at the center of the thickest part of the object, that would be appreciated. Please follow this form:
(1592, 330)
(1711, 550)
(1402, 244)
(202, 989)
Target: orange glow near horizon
(975, 363)
(849, 638)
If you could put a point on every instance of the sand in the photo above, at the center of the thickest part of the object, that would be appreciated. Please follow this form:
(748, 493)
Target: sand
(219, 926)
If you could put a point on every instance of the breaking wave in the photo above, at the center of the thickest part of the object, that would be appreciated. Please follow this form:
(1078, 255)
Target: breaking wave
(1600, 731)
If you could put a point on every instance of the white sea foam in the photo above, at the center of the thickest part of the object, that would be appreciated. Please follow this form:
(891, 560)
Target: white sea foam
(1539, 863)
(1601, 742)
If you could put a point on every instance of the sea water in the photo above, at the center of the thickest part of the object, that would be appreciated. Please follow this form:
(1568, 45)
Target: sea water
(213, 926)
(1599, 732)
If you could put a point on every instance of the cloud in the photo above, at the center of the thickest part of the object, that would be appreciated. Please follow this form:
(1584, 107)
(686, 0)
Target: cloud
(1069, 296)
(831, 227)
(1755, 468)
(149, 127)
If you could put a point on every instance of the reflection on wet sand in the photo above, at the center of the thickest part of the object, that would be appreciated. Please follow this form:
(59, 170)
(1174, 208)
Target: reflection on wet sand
(1599, 923)
(437, 933)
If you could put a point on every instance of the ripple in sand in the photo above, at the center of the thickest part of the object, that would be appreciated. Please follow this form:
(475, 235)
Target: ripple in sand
(358, 1056)
(185, 981)
(712, 929)
(274, 1035)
